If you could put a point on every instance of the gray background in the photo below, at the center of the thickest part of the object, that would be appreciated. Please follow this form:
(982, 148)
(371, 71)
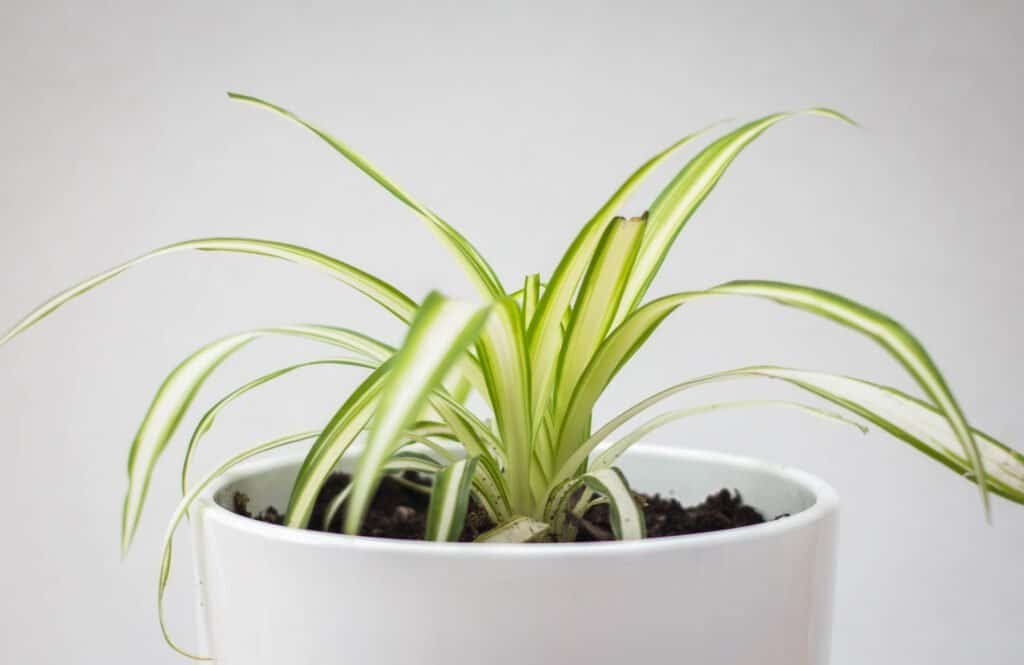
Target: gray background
(514, 121)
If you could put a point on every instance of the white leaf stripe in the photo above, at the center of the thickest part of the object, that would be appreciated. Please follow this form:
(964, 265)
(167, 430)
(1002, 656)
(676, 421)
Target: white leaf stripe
(449, 500)
(626, 518)
(477, 268)
(441, 332)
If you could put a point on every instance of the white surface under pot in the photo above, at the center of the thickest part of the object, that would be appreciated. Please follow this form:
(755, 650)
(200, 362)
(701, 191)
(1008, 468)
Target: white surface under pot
(757, 595)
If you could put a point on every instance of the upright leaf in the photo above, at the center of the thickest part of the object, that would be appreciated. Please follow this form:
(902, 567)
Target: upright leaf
(545, 327)
(441, 332)
(336, 438)
(627, 519)
(596, 303)
(449, 500)
(503, 358)
(678, 201)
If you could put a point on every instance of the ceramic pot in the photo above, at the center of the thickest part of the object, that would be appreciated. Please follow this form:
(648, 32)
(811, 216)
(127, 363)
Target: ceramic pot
(757, 595)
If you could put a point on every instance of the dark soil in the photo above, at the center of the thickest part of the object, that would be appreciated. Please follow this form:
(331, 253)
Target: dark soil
(400, 511)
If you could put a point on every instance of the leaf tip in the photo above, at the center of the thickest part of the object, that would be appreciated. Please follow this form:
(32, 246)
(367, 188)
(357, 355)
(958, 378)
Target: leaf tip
(834, 114)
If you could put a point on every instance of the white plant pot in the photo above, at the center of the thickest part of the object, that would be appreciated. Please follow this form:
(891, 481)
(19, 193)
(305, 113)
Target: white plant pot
(758, 595)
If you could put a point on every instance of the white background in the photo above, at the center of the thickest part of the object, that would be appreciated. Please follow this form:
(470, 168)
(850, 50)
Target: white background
(514, 121)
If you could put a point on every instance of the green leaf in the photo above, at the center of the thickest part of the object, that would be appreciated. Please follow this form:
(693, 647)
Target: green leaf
(531, 297)
(503, 358)
(544, 338)
(179, 389)
(678, 201)
(346, 424)
(441, 332)
(597, 302)
(916, 422)
(376, 289)
(907, 418)
(183, 508)
(892, 336)
(636, 328)
(626, 517)
(206, 422)
(519, 530)
(476, 267)
(610, 357)
(449, 500)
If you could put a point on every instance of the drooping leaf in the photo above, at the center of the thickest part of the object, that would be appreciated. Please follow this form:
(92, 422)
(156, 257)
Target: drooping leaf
(907, 418)
(892, 336)
(183, 509)
(179, 389)
(373, 287)
(207, 420)
(609, 456)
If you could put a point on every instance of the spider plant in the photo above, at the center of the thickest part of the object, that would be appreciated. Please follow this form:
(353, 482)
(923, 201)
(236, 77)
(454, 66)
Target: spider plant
(539, 353)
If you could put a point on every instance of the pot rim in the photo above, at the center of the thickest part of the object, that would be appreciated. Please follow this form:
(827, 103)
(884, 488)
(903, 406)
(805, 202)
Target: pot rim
(826, 502)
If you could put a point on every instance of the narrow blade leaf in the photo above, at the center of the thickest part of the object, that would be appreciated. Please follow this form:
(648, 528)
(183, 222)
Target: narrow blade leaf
(208, 419)
(597, 302)
(442, 331)
(544, 338)
(476, 267)
(183, 509)
(608, 457)
(681, 198)
(503, 359)
(375, 288)
(626, 517)
(449, 500)
(892, 336)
